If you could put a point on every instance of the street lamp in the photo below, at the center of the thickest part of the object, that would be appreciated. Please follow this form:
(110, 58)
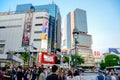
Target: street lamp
(75, 36)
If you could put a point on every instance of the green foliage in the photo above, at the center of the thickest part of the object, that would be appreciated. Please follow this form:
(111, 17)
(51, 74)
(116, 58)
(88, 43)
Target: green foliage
(111, 60)
(66, 59)
(79, 60)
(25, 57)
(102, 65)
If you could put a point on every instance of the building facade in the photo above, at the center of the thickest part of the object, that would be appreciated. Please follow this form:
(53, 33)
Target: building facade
(54, 32)
(38, 26)
(78, 19)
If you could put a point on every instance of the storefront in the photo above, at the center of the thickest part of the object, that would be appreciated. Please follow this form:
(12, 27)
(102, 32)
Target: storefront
(10, 60)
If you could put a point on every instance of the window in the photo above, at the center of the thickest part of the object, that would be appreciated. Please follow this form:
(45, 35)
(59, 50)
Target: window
(41, 17)
(2, 27)
(2, 48)
(38, 32)
(37, 39)
(38, 24)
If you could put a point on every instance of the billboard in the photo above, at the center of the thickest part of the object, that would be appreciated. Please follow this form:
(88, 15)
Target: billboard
(45, 58)
(48, 58)
(44, 36)
(27, 29)
(114, 50)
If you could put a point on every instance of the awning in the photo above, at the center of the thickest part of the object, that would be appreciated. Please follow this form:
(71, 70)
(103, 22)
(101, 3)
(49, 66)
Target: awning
(10, 57)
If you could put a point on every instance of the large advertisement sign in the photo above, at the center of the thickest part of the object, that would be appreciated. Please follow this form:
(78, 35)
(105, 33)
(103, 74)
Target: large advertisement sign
(114, 50)
(44, 36)
(48, 58)
(27, 29)
(45, 58)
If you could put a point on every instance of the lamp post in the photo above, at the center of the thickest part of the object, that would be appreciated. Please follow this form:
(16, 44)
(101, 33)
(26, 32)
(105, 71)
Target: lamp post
(75, 36)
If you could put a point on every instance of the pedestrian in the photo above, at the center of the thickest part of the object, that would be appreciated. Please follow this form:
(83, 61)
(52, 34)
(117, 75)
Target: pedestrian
(33, 73)
(69, 75)
(100, 76)
(8, 74)
(76, 75)
(1, 74)
(113, 75)
(41, 75)
(54, 75)
(60, 74)
(13, 73)
(19, 74)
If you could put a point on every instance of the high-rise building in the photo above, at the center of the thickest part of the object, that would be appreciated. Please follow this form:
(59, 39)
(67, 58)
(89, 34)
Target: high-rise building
(54, 34)
(78, 19)
(38, 26)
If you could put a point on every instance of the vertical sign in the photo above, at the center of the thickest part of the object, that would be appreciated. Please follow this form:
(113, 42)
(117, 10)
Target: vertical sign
(27, 28)
(44, 37)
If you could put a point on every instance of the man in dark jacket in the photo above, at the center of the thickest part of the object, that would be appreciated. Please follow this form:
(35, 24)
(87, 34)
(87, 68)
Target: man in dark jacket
(53, 76)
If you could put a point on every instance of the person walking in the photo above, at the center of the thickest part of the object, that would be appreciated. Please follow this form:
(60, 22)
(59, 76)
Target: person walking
(54, 75)
(100, 76)
(8, 74)
(76, 75)
(111, 76)
(41, 75)
(19, 74)
(69, 75)
(60, 74)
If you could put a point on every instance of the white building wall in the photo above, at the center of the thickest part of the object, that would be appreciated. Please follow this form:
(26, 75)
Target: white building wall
(13, 31)
(12, 27)
(85, 40)
(35, 28)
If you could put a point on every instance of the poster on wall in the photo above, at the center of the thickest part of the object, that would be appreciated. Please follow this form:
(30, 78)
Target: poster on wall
(44, 36)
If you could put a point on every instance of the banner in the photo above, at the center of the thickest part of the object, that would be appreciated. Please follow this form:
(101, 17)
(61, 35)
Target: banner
(44, 36)
(114, 50)
(27, 28)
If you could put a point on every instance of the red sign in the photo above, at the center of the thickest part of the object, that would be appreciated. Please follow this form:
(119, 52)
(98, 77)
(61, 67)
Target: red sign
(48, 58)
(96, 53)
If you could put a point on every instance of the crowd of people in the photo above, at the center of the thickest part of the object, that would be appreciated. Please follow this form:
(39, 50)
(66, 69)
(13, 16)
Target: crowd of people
(54, 73)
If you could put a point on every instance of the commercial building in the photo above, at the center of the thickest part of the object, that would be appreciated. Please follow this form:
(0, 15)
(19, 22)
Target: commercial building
(78, 19)
(54, 30)
(28, 26)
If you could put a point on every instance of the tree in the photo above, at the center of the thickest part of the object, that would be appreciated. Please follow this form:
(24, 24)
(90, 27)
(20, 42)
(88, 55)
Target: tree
(25, 57)
(111, 60)
(79, 60)
(102, 65)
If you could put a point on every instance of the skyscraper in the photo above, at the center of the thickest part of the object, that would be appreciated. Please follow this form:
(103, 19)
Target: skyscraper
(78, 19)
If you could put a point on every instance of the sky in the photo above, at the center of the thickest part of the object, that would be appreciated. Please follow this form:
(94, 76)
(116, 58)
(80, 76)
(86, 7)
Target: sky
(103, 18)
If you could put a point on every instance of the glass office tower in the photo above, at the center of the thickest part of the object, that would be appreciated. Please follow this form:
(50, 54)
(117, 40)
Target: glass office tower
(78, 19)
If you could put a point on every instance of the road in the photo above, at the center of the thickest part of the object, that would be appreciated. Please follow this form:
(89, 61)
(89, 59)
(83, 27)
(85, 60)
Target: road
(88, 76)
